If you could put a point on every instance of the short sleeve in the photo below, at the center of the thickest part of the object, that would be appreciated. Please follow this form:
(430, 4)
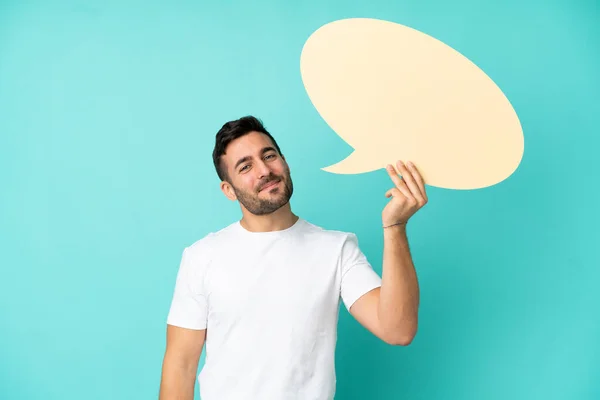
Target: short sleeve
(188, 306)
(358, 276)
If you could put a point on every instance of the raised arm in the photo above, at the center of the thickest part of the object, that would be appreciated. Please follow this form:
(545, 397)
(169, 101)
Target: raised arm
(180, 364)
(391, 312)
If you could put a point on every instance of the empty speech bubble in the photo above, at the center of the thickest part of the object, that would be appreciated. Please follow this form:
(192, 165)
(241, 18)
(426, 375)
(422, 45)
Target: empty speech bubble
(394, 93)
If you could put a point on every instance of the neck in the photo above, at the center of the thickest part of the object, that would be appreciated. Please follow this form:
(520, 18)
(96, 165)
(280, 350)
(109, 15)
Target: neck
(276, 221)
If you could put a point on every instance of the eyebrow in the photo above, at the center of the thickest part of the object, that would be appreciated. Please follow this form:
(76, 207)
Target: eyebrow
(248, 158)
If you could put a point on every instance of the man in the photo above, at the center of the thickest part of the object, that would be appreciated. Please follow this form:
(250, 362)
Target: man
(264, 292)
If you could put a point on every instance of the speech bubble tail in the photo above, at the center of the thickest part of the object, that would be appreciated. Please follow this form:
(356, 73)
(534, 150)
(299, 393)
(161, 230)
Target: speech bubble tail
(356, 163)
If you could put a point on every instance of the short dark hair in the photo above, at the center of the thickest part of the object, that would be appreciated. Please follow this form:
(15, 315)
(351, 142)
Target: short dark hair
(232, 130)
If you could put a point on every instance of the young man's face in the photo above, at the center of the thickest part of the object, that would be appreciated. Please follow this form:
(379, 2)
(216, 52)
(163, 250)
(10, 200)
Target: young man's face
(259, 176)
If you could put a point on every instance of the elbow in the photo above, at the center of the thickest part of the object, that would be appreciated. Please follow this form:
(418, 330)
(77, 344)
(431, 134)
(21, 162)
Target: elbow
(401, 337)
(400, 340)
(400, 331)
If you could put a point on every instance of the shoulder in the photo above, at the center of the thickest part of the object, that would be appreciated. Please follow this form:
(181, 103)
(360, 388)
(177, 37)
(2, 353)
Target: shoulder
(201, 250)
(329, 234)
(344, 244)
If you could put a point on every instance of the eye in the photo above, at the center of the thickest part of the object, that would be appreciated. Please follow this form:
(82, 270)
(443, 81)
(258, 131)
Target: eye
(270, 155)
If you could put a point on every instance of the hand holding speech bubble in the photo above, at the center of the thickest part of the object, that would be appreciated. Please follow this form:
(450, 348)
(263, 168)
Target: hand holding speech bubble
(394, 93)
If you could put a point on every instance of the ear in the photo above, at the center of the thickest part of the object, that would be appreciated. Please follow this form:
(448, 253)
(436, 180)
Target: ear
(227, 189)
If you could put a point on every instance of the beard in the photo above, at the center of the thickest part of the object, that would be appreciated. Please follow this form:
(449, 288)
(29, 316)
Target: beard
(279, 196)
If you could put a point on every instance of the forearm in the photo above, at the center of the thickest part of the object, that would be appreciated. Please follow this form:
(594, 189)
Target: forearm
(399, 296)
(177, 381)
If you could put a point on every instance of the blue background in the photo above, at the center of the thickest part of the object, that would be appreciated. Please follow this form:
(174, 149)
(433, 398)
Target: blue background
(108, 111)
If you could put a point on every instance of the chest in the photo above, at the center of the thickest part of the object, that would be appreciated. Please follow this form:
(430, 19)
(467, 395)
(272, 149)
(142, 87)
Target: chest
(281, 286)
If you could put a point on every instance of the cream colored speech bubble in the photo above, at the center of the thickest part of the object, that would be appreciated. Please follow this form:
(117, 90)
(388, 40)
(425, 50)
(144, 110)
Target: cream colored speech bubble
(392, 92)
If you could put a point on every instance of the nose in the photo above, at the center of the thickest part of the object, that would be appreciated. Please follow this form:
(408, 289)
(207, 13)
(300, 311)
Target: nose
(263, 170)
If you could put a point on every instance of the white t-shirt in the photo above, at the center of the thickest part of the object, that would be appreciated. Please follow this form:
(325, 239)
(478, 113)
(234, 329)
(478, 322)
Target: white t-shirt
(270, 303)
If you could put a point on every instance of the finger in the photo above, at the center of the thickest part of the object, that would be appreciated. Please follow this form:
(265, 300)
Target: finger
(399, 182)
(419, 179)
(394, 175)
(393, 192)
(410, 182)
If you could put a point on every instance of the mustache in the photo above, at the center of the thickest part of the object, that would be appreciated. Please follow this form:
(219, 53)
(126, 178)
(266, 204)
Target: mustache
(270, 180)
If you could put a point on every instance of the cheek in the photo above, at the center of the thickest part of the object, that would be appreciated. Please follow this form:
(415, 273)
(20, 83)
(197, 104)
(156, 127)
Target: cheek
(249, 183)
(281, 170)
